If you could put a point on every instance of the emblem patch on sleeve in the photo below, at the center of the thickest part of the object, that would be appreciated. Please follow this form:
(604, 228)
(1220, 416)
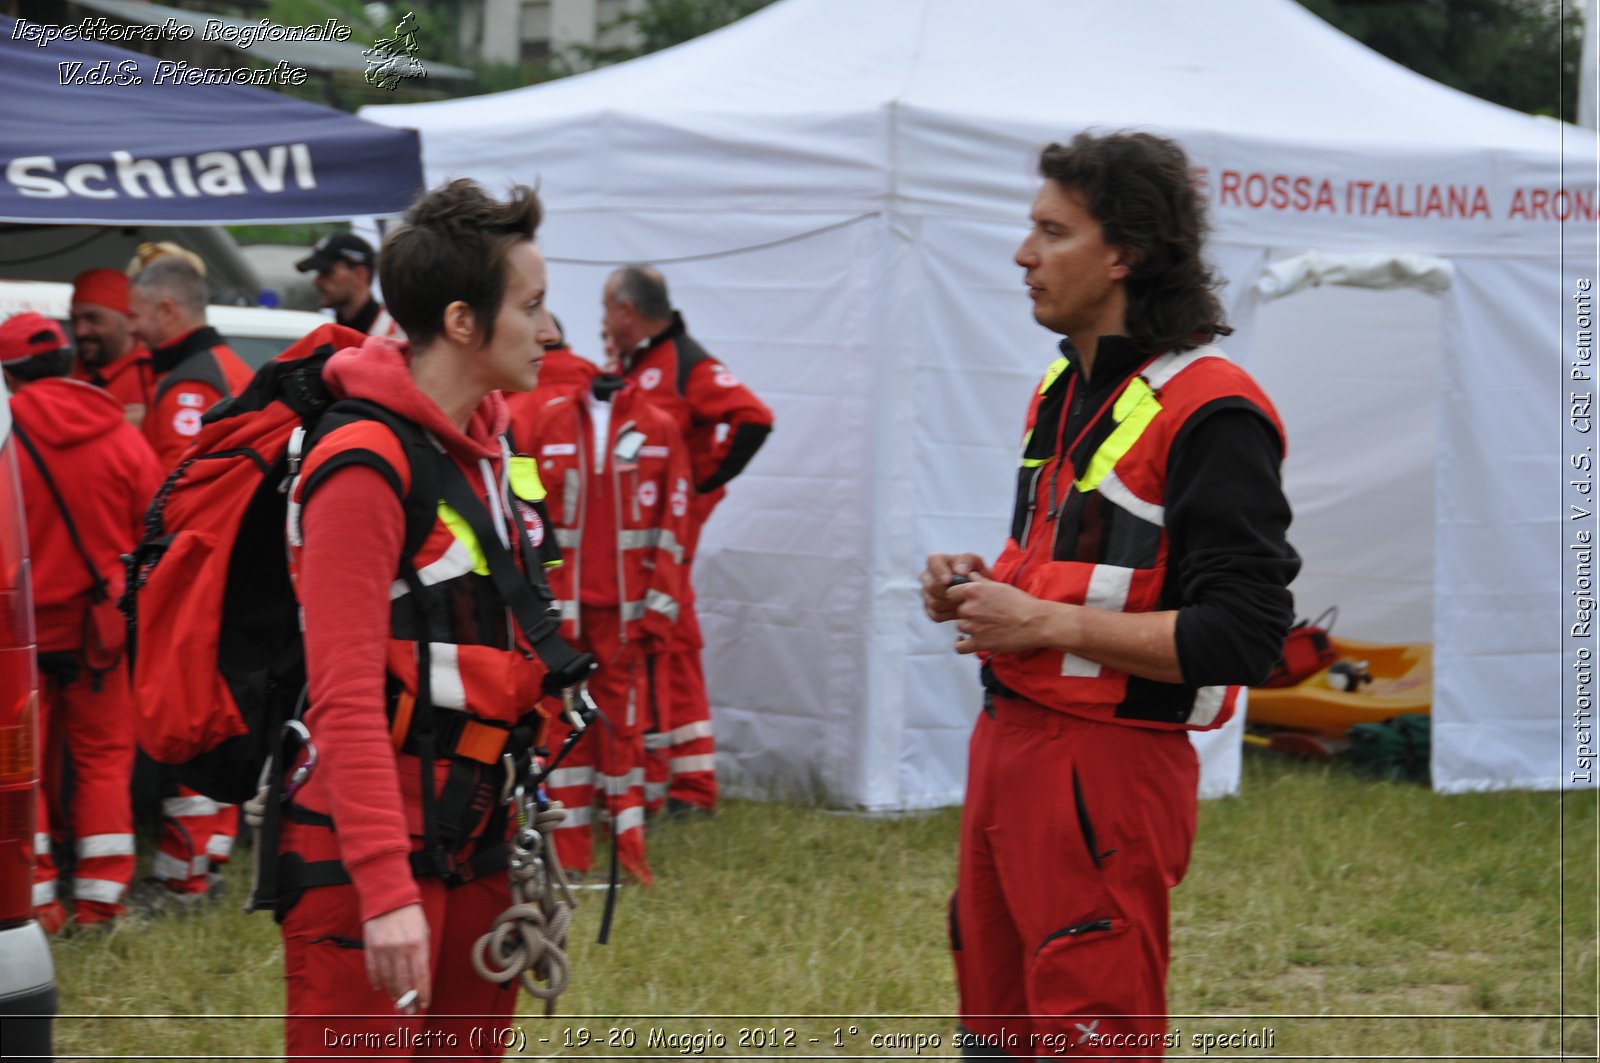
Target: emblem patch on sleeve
(186, 422)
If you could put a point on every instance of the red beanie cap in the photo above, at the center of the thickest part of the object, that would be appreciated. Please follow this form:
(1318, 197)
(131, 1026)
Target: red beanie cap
(102, 287)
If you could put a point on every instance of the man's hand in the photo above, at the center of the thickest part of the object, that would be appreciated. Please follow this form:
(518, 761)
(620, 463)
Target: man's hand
(999, 618)
(397, 953)
(936, 582)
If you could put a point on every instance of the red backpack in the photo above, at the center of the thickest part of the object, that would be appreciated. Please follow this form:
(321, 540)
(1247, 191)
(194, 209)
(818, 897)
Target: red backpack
(219, 666)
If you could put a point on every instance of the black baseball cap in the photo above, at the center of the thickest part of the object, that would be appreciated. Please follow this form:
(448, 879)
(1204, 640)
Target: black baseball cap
(338, 247)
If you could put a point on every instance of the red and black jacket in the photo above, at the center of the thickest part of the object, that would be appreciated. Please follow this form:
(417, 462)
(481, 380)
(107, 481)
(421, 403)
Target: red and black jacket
(702, 396)
(1090, 527)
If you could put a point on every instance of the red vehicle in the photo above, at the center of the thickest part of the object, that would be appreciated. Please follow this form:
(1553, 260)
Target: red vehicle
(27, 976)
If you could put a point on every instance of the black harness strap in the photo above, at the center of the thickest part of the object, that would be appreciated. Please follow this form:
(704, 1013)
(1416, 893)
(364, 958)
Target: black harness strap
(267, 891)
(421, 731)
(296, 874)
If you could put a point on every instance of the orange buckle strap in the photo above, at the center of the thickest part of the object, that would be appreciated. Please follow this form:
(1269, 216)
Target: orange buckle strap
(481, 742)
(404, 706)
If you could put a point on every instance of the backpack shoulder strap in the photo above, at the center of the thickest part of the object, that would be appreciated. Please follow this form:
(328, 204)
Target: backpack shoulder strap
(98, 589)
(419, 495)
(420, 500)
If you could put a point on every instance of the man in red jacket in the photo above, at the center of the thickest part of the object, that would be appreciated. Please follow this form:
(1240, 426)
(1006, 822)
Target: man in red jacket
(1145, 581)
(723, 425)
(86, 477)
(110, 356)
(193, 370)
(618, 481)
(193, 367)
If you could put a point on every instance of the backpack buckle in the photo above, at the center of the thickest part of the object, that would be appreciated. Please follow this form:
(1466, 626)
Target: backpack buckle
(295, 451)
(577, 707)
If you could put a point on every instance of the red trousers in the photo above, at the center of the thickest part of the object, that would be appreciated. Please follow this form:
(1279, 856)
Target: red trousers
(611, 758)
(325, 970)
(1073, 832)
(681, 751)
(197, 836)
(686, 741)
(94, 729)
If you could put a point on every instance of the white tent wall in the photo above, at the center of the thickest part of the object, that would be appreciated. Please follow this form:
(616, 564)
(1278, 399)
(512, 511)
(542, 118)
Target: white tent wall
(1363, 435)
(835, 190)
(1499, 559)
(782, 575)
(785, 655)
(966, 384)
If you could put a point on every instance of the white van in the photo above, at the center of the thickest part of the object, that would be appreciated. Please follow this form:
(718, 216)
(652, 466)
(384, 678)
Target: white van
(257, 335)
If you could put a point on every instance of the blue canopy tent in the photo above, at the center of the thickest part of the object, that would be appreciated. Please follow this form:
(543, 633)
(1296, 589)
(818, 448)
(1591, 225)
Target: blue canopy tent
(93, 134)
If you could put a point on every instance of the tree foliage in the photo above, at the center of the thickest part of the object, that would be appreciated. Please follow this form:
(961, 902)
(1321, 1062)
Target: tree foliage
(1519, 53)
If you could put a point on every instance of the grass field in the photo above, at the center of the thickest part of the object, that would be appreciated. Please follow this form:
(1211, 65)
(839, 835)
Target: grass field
(1323, 917)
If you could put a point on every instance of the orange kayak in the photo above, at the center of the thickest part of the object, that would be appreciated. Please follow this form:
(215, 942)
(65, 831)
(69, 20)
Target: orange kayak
(1402, 682)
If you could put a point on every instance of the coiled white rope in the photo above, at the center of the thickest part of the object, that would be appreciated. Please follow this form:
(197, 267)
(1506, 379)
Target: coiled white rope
(528, 941)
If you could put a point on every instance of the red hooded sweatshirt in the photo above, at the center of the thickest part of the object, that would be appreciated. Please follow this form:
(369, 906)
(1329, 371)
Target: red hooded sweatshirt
(353, 529)
(105, 473)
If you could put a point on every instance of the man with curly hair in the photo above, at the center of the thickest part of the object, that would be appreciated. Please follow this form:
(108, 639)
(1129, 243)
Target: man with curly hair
(1144, 582)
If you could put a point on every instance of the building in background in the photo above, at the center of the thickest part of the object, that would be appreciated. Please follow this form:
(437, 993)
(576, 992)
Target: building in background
(528, 31)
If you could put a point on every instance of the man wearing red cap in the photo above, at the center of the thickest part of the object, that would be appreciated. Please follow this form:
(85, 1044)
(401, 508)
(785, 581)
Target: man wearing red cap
(193, 367)
(86, 476)
(109, 355)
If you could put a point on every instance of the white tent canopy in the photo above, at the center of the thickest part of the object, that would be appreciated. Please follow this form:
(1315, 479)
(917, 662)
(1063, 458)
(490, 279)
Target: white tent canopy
(835, 189)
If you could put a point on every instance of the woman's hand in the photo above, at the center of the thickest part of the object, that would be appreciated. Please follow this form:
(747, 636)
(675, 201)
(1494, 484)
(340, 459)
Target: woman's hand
(397, 953)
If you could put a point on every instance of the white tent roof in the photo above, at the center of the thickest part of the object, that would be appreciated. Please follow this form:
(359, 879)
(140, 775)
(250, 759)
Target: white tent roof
(834, 189)
(1264, 70)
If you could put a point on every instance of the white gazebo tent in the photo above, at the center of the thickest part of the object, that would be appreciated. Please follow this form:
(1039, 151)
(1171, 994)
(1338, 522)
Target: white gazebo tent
(835, 189)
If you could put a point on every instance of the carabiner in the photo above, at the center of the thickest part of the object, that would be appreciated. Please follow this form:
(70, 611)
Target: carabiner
(507, 788)
(301, 732)
(569, 700)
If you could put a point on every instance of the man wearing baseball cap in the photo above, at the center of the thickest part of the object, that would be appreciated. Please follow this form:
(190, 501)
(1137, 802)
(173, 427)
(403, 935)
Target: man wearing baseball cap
(344, 265)
(86, 476)
(110, 356)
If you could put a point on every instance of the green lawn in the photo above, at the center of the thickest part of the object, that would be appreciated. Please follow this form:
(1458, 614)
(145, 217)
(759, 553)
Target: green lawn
(1323, 916)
